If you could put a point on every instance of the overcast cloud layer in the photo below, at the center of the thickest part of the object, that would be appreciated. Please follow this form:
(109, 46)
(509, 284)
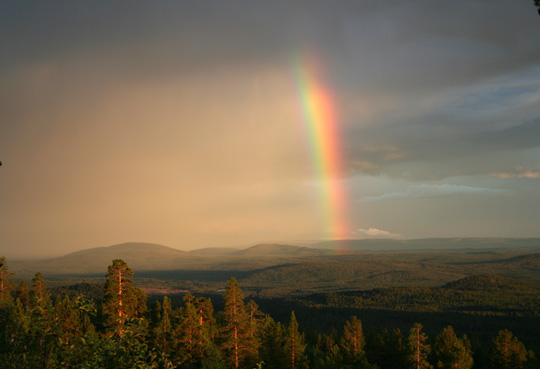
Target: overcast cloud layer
(178, 122)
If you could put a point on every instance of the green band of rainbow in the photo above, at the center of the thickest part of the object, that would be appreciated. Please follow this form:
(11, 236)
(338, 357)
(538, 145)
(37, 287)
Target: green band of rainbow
(321, 123)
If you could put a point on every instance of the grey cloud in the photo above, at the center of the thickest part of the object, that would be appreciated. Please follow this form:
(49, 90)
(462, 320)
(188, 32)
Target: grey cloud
(436, 155)
(423, 191)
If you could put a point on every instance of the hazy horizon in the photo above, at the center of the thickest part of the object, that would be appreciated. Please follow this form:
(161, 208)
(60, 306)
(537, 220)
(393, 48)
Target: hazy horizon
(188, 124)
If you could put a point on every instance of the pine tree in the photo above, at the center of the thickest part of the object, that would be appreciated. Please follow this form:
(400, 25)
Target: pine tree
(254, 316)
(326, 353)
(39, 293)
(387, 349)
(163, 330)
(191, 339)
(452, 352)
(353, 337)
(23, 294)
(294, 346)
(42, 332)
(271, 338)
(122, 301)
(5, 281)
(419, 348)
(238, 344)
(508, 351)
(352, 344)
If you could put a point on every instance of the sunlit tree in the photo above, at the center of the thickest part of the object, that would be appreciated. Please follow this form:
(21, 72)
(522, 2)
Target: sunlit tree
(419, 349)
(295, 346)
(122, 301)
(237, 341)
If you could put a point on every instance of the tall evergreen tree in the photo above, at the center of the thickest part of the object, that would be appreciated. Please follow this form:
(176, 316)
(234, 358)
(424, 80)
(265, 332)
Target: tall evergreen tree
(325, 353)
(122, 301)
(6, 286)
(451, 351)
(294, 346)
(163, 329)
(387, 350)
(352, 344)
(238, 344)
(39, 293)
(23, 294)
(419, 348)
(192, 340)
(271, 338)
(508, 351)
(353, 340)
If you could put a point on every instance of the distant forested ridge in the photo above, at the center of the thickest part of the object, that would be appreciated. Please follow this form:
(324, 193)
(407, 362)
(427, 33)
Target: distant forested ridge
(112, 325)
(482, 294)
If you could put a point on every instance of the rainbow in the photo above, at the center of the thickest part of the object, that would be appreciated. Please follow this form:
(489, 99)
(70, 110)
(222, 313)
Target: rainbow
(322, 125)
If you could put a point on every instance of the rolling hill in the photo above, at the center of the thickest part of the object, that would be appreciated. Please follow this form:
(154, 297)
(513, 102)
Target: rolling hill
(280, 269)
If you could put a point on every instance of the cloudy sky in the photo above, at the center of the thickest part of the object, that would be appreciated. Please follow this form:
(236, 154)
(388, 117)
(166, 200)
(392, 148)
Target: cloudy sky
(179, 122)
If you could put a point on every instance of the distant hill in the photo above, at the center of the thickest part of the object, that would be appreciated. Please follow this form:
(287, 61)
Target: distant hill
(278, 250)
(148, 256)
(139, 256)
(280, 269)
(433, 244)
(214, 251)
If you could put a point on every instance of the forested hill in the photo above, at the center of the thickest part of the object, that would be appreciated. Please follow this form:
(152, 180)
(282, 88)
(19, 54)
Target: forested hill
(433, 244)
(481, 294)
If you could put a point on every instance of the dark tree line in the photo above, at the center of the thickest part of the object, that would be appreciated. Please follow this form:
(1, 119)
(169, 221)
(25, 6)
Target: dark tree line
(120, 332)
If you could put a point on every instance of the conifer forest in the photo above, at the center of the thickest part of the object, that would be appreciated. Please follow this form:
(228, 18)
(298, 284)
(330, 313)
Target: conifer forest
(116, 325)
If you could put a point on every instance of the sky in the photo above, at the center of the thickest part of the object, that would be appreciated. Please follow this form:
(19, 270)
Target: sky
(193, 124)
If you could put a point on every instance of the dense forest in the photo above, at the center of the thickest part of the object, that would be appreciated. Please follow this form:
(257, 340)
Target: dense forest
(116, 325)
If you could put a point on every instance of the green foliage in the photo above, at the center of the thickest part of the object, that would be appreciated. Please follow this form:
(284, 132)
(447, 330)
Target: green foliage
(387, 349)
(122, 301)
(508, 352)
(6, 286)
(294, 346)
(40, 334)
(452, 352)
(419, 349)
(238, 344)
(488, 294)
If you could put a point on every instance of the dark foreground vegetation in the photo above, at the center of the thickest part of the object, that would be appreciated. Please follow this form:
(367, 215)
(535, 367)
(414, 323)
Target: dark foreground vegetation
(111, 326)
